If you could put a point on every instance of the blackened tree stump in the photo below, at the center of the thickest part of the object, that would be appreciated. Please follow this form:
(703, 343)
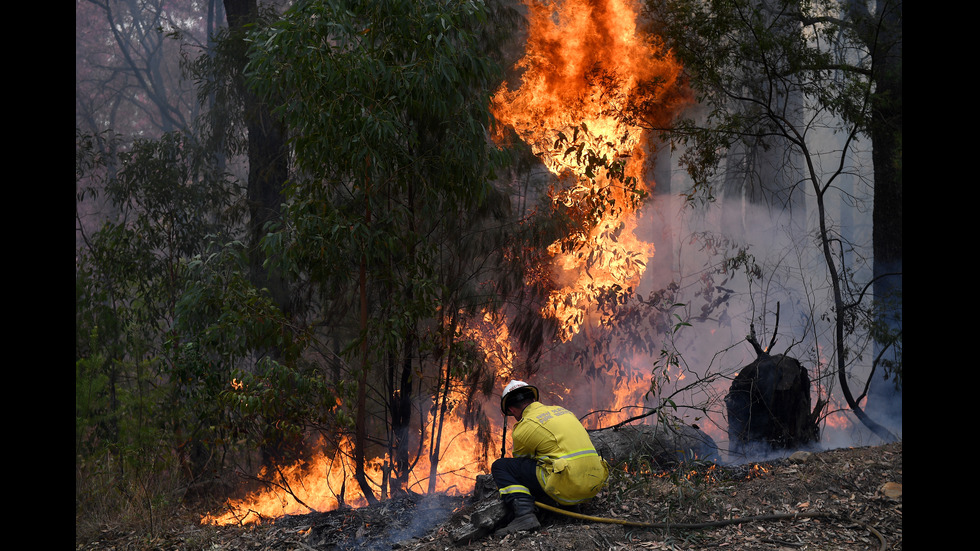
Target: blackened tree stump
(769, 403)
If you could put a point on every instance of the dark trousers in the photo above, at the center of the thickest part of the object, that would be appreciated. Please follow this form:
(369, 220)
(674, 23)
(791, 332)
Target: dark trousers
(516, 477)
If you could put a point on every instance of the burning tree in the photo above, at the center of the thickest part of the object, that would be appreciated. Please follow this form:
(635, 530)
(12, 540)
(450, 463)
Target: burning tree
(411, 289)
(586, 77)
(405, 224)
(589, 82)
(391, 217)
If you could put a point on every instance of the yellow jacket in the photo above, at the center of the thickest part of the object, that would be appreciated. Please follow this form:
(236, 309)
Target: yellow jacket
(569, 468)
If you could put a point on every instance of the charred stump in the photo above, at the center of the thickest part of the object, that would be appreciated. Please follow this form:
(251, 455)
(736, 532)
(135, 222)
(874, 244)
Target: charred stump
(769, 403)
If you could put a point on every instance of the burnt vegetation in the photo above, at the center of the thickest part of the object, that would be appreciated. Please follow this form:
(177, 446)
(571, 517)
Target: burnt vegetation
(842, 500)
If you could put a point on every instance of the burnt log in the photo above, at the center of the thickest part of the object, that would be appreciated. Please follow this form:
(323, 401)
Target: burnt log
(663, 445)
(486, 515)
(482, 516)
(768, 403)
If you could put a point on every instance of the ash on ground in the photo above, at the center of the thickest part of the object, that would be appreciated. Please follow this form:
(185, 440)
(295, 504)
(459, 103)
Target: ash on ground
(386, 525)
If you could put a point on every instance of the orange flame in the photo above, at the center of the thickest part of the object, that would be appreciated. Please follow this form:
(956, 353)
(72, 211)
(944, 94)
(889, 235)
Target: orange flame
(592, 81)
(325, 481)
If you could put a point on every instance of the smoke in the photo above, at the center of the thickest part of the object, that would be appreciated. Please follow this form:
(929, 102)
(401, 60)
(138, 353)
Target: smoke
(781, 289)
(388, 525)
(430, 511)
(693, 242)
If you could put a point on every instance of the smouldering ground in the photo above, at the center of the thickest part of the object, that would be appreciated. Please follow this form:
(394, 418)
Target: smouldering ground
(858, 488)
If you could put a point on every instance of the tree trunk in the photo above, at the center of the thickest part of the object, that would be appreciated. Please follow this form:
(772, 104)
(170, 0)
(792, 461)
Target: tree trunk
(360, 415)
(769, 403)
(401, 395)
(267, 158)
(267, 172)
(884, 396)
(401, 415)
(839, 319)
(443, 403)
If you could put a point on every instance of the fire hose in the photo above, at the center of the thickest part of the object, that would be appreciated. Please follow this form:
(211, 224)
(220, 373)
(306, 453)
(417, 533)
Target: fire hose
(713, 523)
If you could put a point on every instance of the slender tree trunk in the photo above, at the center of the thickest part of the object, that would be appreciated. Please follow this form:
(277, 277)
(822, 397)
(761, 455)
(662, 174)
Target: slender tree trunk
(360, 415)
(401, 413)
(401, 397)
(268, 167)
(840, 308)
(443, 404)
(884, 396)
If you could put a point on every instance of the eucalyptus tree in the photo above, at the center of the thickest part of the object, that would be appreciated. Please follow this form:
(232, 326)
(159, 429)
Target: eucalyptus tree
(387, 111)
(843, 60)
(877, 27)
(139, 402)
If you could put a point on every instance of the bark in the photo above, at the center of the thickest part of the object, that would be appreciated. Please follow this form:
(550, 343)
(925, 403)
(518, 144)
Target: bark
(267, 159)
(267, 172)
(360, 415)
(885, 398)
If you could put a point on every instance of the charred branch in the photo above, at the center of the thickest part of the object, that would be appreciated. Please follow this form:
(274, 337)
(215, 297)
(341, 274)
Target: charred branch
(759, 351)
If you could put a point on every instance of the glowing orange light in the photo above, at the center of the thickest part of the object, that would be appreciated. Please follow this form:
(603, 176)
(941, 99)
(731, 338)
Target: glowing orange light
(589, 76)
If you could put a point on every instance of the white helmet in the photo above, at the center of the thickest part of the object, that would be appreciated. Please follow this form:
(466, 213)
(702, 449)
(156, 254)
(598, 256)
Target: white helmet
(511, 387)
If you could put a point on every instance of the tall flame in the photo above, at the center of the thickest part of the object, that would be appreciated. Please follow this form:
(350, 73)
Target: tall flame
(590, 79)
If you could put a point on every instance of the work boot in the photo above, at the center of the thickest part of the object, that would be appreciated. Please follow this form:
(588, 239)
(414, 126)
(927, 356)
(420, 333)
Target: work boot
(524, 517)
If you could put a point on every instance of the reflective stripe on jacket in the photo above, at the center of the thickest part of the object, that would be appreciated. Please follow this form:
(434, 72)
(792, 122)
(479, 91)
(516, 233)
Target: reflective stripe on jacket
(569, 468)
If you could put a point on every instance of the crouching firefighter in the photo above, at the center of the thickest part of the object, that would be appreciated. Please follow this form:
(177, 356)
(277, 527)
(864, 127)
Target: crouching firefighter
(554, 459)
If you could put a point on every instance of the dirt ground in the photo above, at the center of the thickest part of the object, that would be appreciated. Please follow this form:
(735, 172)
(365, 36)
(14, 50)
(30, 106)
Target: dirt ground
(845, 499)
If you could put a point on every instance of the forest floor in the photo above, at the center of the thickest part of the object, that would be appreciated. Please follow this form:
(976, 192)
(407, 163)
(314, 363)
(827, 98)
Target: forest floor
(845, 499)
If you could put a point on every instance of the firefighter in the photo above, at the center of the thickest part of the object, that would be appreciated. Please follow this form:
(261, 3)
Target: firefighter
(554, 459)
